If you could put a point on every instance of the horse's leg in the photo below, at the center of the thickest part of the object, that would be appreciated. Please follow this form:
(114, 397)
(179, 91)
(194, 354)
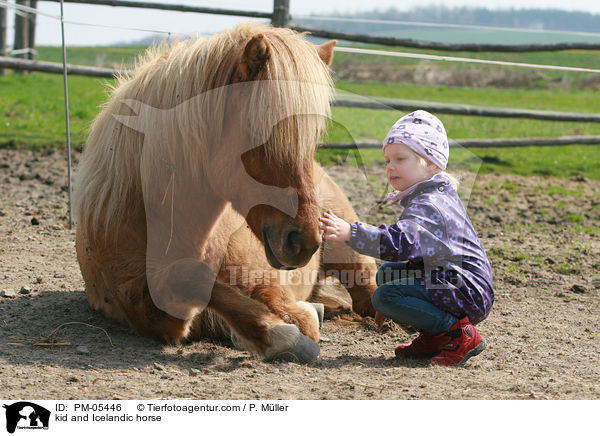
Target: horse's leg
(181, 289)
(355, 272)
(259, 330)
(284, 305)
(208, 325)
(131, 303)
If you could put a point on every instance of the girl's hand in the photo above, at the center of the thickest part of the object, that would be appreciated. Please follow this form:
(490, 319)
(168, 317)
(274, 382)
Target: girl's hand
(335, 228)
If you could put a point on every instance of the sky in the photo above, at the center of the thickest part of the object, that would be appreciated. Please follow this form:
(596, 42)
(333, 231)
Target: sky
(48, 29)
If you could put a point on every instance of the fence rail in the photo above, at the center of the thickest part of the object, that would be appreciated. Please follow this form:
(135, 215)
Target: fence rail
(56, 68)
(463, 109)
(430, 45)
(170, 7)
(485, 143)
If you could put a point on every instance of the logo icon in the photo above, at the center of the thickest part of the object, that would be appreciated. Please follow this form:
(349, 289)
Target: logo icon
(26, 415)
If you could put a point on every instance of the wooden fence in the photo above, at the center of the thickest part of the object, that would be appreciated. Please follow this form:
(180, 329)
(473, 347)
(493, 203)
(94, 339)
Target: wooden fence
(378, 104)
(3, 28)
(280, 17)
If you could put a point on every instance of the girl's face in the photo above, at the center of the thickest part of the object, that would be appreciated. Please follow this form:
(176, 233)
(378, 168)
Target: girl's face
(405, 167)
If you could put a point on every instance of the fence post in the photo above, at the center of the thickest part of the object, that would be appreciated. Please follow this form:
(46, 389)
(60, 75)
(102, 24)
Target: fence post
(3, 21)
(32, 16)
(281, 13)
(20, 42)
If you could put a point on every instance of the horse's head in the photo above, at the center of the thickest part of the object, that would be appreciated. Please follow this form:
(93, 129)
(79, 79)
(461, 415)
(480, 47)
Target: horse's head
(244, 123)
(277, 108)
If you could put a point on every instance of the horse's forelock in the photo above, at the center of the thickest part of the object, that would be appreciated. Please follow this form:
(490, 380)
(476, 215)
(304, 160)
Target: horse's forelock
(300, 86)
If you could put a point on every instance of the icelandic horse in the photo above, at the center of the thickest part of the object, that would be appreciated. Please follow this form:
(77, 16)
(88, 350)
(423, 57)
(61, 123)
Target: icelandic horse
(198, 173)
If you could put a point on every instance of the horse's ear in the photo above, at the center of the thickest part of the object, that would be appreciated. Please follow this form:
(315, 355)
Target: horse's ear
(326, 51)
(256, 54)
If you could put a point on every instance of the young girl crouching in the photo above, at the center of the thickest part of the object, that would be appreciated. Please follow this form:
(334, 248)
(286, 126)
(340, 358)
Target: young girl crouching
(439, 279)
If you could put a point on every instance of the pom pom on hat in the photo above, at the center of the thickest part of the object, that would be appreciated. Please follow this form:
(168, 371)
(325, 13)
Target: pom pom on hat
(423, 133)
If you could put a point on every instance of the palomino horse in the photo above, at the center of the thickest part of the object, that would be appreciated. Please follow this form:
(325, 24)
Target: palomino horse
(197, 196)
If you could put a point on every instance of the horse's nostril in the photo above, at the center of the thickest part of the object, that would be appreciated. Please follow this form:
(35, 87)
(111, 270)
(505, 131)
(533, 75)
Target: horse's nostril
(292, 243)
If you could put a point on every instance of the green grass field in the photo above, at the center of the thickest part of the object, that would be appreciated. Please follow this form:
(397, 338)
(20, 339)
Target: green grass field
(113, 57)
(559, 161)
(32, 114)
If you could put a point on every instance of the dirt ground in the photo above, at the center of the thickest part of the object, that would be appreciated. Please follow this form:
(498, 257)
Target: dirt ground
(543, 334)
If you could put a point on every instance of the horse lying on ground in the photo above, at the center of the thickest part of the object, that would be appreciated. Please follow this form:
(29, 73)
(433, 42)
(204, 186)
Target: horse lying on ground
(199, 174)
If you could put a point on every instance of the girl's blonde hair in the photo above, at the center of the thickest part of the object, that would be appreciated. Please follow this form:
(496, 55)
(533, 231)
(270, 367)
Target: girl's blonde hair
(423, 162)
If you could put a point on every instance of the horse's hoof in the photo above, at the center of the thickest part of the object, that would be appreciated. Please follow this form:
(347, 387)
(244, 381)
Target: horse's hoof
(320, 308)
(288, 344)
(317, 310)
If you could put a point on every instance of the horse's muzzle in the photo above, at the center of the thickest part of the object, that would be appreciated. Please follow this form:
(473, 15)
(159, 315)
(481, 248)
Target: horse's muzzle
(287, 250)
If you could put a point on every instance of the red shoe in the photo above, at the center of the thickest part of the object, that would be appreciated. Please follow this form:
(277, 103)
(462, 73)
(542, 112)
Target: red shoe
(424, 345)
(464, 342)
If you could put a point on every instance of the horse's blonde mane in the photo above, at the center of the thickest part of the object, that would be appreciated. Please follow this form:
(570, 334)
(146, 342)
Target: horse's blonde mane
(108, 185)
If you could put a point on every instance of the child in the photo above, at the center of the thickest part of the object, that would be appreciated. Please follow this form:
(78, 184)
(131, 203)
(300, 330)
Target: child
(439, 279)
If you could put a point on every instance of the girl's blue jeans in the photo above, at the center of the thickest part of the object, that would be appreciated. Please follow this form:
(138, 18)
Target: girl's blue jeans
(401, 296)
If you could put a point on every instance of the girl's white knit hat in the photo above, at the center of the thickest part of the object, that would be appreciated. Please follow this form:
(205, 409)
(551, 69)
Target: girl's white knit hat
(423, 133)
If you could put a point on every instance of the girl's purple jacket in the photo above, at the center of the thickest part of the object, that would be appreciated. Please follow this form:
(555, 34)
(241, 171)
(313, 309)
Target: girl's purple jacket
(436, 236)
